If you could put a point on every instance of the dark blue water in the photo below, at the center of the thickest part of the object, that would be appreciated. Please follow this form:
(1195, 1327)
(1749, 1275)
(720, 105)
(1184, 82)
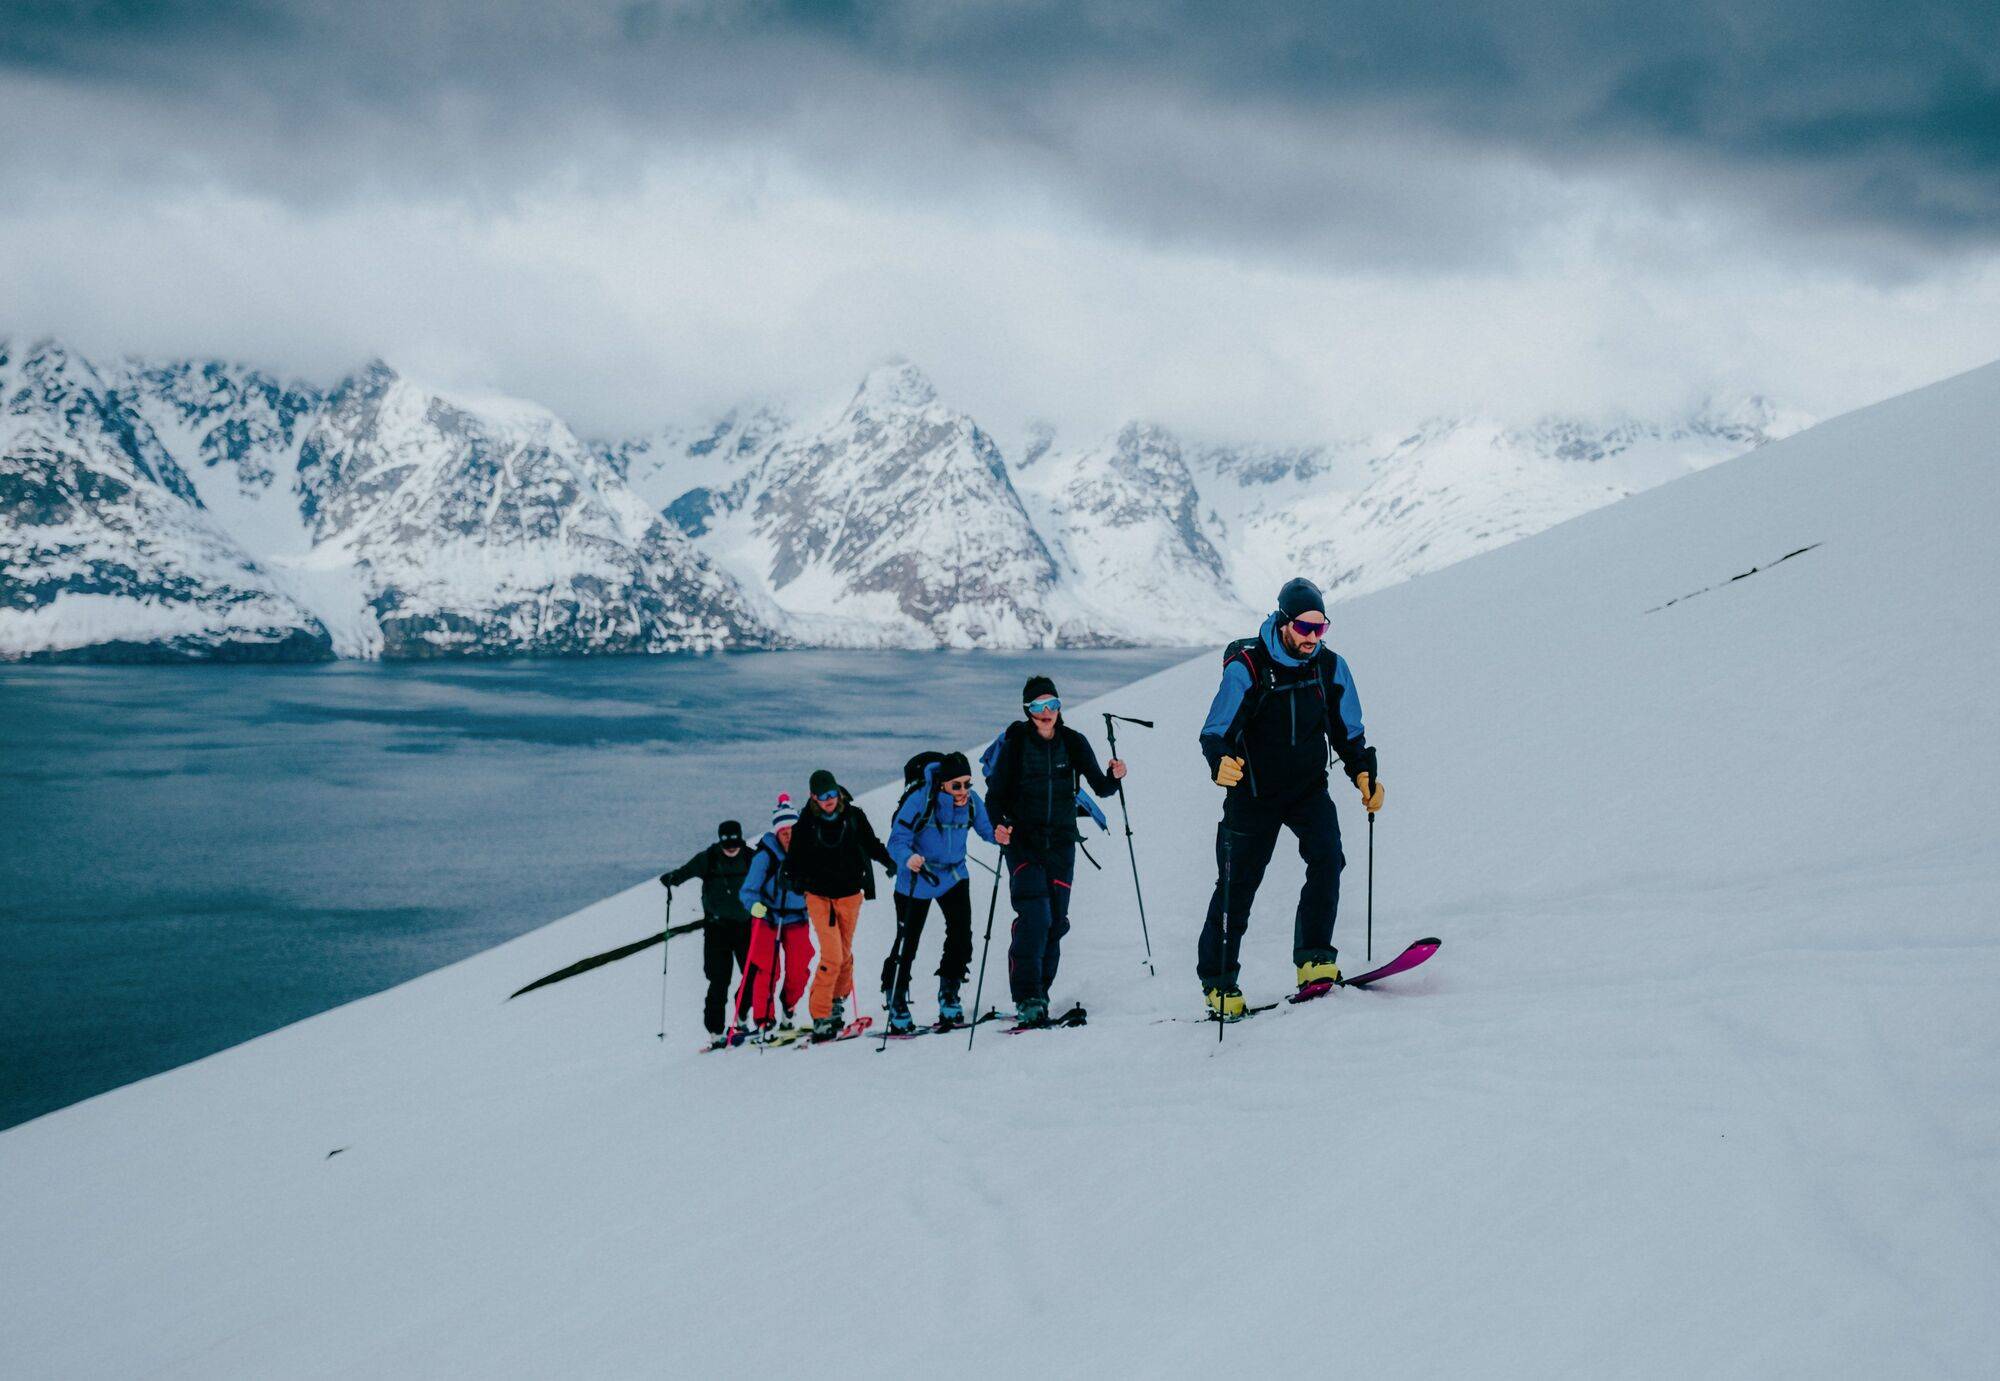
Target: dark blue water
(191, 856)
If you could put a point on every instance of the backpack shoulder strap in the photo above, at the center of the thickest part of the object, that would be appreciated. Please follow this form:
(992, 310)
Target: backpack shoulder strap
(929, 787)
(773, 873)
(1250, 652)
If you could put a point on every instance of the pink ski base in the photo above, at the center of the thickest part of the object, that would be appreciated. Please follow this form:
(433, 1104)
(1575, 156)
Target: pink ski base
(1416, 954)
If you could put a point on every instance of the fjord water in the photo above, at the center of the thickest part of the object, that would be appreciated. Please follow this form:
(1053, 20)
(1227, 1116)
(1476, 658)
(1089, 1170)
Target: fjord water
(195, 855)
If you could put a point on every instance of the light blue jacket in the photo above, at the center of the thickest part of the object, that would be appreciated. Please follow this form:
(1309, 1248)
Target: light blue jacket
(764, 884)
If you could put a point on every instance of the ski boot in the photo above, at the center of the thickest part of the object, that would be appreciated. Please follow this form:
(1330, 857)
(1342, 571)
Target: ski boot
(1226, 1004)
(1033, 1012)
(950, 1010)
(840, 1011)
(786, 1023)
(762, 1035)
(1317, 977)
(900, 1021)
(719, 1041)
(826, 1028)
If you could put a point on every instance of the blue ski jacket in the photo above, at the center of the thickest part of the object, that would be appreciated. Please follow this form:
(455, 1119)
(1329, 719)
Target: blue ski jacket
(1334, 720)
(763, 883)
(942, 841)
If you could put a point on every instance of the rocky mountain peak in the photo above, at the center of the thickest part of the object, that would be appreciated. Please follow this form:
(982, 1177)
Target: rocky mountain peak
(895, 385)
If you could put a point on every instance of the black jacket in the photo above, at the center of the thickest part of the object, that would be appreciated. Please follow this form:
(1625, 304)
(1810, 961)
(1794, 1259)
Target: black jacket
(1033, 786)
(830, 855)
(1281, 715)
(721, 879)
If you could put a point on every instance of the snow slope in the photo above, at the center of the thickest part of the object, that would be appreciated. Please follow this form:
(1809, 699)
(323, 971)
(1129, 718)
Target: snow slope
(1702, 1083)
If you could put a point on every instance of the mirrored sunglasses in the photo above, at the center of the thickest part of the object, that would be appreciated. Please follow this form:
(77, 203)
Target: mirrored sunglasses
(959, 784)
(1309, 628)
(1045, 704)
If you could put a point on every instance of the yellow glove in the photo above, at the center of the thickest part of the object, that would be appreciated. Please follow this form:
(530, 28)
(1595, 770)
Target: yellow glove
(760, 911)
(1371, 792)
(1229, 772)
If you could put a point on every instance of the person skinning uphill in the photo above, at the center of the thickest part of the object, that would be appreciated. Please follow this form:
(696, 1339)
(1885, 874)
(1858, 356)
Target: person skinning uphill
(832, 849)
(1031, 792)
(725, 919)
(1285, 699)
(928, 839)
(780, 938)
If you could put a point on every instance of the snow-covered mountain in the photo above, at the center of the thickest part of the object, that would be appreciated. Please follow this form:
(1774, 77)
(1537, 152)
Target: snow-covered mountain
(1152, 538)
(381, 517)
(896, 523)
(484, 525)
(1700, 1084)
(1367, 513)
(378, 518)
(1136, 536)
(106, 552)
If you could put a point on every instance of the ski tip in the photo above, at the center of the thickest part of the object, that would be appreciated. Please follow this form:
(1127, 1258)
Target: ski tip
(1428, 942)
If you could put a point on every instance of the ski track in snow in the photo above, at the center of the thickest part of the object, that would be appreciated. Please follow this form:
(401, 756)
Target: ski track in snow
(1702, 1082)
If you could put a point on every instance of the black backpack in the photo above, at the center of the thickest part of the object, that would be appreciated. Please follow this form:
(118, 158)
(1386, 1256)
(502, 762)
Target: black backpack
(1256, 659)
(914, 774)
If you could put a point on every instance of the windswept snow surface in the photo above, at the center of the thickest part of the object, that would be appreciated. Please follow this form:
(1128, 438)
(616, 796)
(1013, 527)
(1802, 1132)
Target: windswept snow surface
(1702, 1084)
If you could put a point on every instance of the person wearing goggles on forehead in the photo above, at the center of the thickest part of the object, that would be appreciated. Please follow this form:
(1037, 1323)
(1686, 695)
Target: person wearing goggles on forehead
(1286, 699)
(1031, 792)
(832, 846)
(928, 839)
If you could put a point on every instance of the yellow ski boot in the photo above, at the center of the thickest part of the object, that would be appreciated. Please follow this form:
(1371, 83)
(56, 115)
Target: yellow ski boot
(1226, 1004)
(1318, 977)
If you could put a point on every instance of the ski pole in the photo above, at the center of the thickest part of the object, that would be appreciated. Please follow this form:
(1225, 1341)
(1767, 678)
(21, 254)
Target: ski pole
(1371, 886)
(1125, 811)
(666, 948)
(979, 992)
(895, 971)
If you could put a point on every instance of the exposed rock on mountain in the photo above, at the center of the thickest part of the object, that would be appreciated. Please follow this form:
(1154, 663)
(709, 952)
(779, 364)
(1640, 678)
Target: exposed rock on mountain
(105, 551)
(205, 509)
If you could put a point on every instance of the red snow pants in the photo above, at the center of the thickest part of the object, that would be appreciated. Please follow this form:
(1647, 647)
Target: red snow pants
(772, 948)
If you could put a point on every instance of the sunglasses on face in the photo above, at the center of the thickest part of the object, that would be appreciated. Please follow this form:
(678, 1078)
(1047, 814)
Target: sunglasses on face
(1309, 628)
(1045, 704)
(830, 798)
(962, 784)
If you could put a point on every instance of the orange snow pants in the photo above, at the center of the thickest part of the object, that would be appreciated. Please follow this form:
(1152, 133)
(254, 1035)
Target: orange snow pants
(833, 922)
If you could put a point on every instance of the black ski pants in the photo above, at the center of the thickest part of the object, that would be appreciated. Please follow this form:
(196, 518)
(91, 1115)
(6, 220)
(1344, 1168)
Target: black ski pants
(1243, 844)
(956, 904)
(1038, 880)
(725, 948)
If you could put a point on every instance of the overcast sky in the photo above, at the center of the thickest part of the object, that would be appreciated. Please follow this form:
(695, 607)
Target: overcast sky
(1252, 219)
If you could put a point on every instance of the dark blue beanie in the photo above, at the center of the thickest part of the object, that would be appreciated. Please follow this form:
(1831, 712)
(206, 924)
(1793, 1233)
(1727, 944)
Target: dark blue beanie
(1300, 596)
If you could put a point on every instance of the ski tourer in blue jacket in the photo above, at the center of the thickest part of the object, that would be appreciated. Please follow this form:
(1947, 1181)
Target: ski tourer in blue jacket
(764, 886)
(931, 828)
(780, 936)
(938, 834)
(1286, 704)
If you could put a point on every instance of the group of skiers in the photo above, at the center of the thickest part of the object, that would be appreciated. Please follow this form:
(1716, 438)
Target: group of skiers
(790, 905)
